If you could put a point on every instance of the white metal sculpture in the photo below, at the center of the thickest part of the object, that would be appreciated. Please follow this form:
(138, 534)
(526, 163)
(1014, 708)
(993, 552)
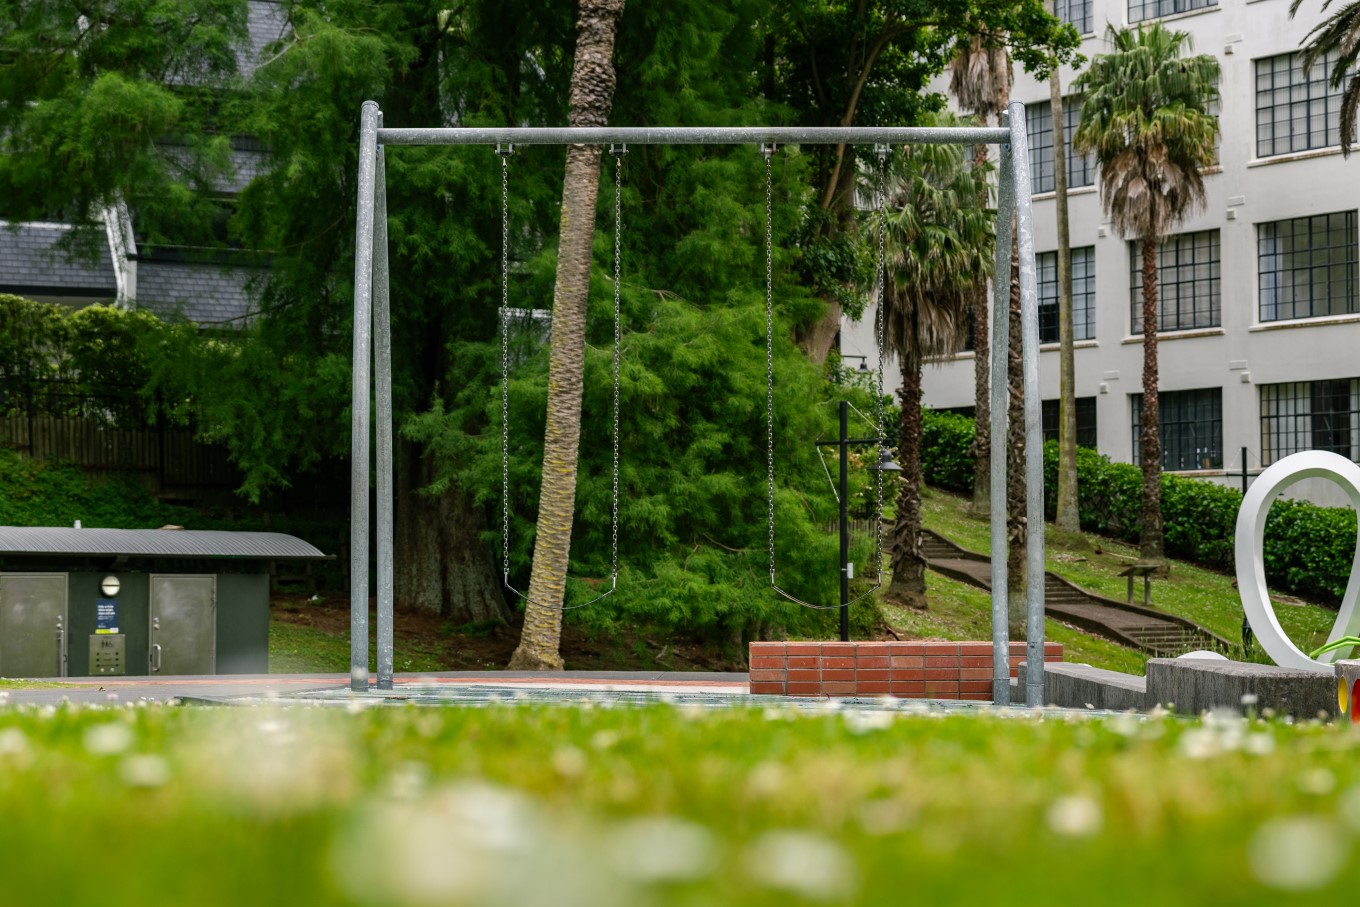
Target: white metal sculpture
(1250, 555)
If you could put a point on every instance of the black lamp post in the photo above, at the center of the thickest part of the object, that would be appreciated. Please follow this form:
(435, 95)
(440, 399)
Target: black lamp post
(884, 464)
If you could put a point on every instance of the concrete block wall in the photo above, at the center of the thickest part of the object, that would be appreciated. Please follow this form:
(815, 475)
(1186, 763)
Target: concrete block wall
(909, 670)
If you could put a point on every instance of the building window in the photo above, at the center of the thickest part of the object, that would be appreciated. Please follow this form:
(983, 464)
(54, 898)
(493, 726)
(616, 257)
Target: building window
(1083, 294)
(1310, 415)
(1307, 266)
(1078, 12)
(1039, 121)
(1295, 112)
(1086, 421)
(1192, 428)
(1189, 283)
(1142, 10)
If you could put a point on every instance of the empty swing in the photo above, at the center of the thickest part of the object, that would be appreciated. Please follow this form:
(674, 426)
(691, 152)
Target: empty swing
(505, 152)
(882, 151)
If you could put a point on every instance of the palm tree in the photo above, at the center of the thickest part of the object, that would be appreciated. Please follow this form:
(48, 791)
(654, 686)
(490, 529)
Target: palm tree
(980, 79)
(1146, 118)
(592, 96)
(1340, 33)
(939, 250)
(1067, 517)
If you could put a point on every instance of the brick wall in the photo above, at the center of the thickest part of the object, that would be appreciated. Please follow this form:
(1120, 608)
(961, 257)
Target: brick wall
(911, 670)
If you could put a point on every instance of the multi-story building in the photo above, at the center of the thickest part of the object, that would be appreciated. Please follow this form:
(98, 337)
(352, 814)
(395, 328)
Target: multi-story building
(1259, 296)
(210, 287)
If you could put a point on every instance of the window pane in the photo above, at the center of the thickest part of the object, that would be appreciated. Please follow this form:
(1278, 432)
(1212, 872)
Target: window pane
(1191, 428)
(1307, 266)
(1188, 286)
(1295, 112)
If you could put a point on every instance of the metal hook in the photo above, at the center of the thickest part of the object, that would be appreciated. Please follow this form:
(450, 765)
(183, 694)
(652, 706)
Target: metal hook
(882, 151)
(768, 150)
(505, 150)
(618, 150)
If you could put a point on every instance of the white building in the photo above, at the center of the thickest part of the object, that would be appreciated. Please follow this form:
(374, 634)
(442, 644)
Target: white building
(1259, 293)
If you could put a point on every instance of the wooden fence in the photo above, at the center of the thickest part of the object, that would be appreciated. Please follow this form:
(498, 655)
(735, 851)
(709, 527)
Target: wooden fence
(170, 456)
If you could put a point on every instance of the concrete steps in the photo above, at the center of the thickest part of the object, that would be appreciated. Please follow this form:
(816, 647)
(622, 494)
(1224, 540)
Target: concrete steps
(1163, 636)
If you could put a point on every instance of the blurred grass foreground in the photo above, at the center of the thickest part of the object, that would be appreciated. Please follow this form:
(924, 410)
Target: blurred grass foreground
(665, 805)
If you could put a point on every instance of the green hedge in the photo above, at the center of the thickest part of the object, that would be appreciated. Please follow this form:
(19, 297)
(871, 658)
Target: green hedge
(1308, 549)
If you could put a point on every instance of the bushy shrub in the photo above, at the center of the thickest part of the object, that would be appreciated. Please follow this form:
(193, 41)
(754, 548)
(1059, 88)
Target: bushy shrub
(1308, 549)
(946, 461)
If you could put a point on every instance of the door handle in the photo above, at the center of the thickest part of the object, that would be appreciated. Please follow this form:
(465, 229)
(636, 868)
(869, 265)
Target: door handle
(61, 649)
(155, 658)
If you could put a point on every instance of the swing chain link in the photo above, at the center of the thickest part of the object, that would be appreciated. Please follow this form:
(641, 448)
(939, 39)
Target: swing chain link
(505, 360)
(881, 281)
(618, 154)
(768, 151)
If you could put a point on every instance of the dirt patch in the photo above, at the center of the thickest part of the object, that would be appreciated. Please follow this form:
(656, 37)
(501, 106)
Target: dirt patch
(489, 646)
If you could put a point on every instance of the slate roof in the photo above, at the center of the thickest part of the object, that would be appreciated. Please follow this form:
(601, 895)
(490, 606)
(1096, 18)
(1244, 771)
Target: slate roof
(205, 294)
(197, 543)
(30, 261)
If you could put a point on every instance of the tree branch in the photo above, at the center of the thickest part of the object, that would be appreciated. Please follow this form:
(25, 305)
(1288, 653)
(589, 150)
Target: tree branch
(885, 37)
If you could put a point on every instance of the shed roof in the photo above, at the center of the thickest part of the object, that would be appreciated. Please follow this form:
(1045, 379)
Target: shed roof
(200, 543)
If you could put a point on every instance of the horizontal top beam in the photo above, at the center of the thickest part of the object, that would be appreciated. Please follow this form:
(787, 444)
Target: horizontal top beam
(699, 135)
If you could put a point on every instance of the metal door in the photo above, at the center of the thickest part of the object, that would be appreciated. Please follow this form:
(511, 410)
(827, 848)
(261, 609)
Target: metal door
(183, 624)
(33, 625)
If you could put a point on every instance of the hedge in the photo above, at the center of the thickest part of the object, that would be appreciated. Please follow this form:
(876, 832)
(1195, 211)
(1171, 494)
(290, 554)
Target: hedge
(1308, 549)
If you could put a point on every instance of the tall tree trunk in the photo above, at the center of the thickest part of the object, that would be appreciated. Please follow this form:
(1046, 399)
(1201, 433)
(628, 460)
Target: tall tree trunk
(1150, 539)
(444, 567)
(982, 380)
(1068, 518)
(818, 338)
(908, 563)
(1015, 463)
(592, 95)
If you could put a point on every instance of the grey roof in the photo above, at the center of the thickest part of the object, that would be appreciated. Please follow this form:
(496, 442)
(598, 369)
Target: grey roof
(202, 293)
(30, 262)
(196, 543)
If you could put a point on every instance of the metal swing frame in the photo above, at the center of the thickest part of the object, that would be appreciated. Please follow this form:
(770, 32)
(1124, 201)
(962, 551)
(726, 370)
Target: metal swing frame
(373, 351)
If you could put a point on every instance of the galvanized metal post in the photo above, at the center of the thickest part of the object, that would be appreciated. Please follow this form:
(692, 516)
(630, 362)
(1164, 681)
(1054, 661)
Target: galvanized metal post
(1000, 393)
(359, 421)
(844, 495)
(1001, 342)
(1034, 431)
(382, 364)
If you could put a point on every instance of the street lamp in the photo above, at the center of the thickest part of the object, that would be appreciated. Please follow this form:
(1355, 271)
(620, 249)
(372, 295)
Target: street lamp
(885, 464)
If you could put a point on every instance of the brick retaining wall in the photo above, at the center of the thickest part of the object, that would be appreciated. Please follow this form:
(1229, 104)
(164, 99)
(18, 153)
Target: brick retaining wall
(911, 670)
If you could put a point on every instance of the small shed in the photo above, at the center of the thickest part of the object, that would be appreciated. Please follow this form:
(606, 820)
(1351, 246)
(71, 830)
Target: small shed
(92, 602)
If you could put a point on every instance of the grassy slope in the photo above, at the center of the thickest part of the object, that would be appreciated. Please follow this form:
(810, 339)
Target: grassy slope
(1201, 595)
(668, 807)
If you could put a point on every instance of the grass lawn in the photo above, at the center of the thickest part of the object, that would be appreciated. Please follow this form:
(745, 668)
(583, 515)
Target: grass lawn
(295, 649)
(1093, 562)
(576, 807)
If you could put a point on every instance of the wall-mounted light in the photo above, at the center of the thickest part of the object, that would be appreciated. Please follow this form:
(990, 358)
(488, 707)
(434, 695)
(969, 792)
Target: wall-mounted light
(109, 585)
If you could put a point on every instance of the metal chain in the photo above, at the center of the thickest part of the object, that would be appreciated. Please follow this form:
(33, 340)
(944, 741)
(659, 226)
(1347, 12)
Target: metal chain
(504, 154)
(768, 151)
(881, 282)
(618, 259)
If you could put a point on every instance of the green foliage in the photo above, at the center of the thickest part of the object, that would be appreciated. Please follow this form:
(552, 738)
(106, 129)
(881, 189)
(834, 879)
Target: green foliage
(1308, 549)
(946, 461)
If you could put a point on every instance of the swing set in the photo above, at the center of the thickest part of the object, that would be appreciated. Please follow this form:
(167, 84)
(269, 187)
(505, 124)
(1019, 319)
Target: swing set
(372, 353)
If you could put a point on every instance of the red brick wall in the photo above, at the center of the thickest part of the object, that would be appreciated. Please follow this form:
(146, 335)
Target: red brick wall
(911, 670)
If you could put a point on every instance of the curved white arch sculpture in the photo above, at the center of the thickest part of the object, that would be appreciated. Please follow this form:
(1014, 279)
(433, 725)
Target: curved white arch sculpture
(1250, 555)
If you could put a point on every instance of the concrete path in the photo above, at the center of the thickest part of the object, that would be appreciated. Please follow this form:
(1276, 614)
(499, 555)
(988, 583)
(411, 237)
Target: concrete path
(271, 686)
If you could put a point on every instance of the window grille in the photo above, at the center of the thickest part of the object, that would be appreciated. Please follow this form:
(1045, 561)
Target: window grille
(1083, 294)
(1191, 428)
(1086, 421)
(1081, 170)
(1142, 10)
(1307, 266)
(1189, 283)
(1296, 112)
(1310, 415)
